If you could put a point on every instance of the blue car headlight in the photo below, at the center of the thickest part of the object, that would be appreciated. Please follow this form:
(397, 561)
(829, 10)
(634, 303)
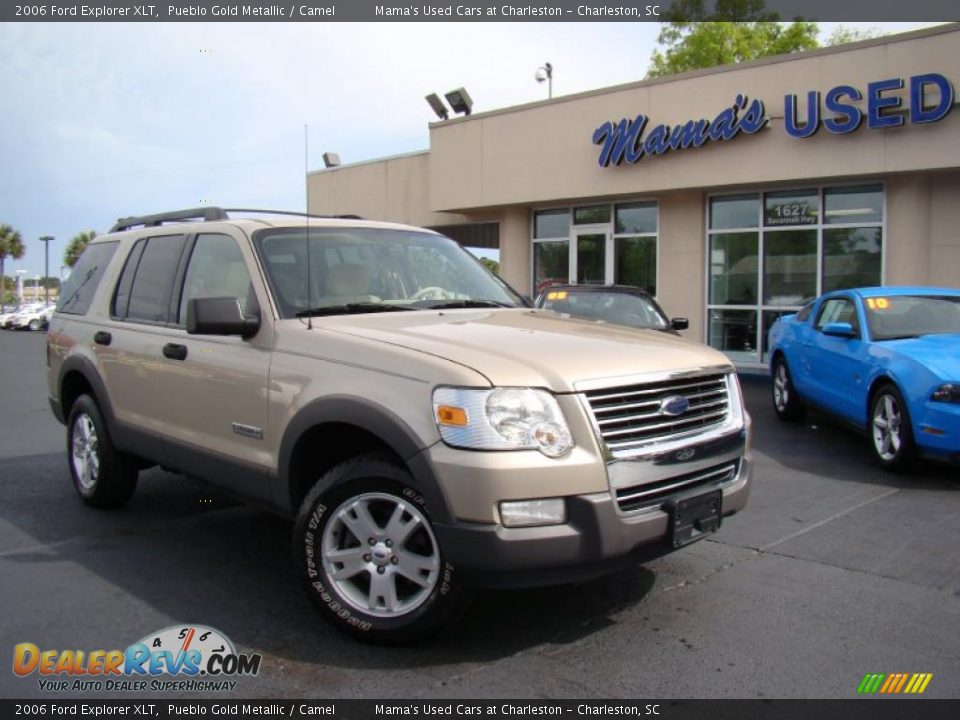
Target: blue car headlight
(949, 393)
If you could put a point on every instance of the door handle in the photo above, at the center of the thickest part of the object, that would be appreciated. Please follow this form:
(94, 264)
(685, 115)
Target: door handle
(102, 337)
(175, 351)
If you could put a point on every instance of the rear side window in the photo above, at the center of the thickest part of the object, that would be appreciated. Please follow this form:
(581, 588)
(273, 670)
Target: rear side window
(79, 288)
(146, 284)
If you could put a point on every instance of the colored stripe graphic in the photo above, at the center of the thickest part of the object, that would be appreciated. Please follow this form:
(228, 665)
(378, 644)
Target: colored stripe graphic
(894, 683)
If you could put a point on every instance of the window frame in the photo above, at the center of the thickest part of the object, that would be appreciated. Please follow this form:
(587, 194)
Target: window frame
(175, 289)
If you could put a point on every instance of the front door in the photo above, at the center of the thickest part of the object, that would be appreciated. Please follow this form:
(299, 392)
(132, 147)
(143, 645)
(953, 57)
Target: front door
(591, 263)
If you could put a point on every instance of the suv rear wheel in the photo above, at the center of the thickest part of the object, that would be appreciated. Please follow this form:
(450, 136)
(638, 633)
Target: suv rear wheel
(102, 475)
(368, 555)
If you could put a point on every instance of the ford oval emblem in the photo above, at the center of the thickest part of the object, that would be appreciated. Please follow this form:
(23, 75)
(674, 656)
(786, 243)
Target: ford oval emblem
(674, 405)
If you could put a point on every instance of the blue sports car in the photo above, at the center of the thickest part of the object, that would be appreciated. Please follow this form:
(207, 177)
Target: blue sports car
(885, 359)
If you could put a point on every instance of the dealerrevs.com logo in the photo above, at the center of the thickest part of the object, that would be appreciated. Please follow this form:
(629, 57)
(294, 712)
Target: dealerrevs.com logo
(178, 658)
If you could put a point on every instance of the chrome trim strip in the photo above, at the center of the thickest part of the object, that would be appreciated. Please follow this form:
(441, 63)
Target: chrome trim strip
(585, 386)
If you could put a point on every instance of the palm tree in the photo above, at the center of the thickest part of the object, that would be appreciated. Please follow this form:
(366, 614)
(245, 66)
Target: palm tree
(11, 245)
(76, 246)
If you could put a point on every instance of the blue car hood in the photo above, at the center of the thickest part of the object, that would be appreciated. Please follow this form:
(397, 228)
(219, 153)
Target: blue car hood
(940, 353)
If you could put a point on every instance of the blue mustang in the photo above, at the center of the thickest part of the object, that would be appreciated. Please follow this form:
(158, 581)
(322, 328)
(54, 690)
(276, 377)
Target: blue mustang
(885, 359)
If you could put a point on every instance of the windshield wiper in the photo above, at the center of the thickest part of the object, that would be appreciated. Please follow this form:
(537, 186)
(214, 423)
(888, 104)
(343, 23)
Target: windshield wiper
(469, 304)
(899, 337)
(351, 309)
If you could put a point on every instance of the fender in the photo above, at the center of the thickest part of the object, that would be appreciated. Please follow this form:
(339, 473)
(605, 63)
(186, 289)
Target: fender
(84, 366)
(374, 419)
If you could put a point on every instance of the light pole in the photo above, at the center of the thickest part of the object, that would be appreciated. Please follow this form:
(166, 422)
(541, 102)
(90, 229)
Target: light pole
(46, 240)
(20, 274)
(545, 73)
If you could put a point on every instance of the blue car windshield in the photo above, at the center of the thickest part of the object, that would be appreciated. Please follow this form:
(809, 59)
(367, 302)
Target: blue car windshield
(613, 307)
(905, 316)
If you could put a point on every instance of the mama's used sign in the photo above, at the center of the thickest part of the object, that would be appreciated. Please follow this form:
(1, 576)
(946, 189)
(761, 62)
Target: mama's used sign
(629, 140)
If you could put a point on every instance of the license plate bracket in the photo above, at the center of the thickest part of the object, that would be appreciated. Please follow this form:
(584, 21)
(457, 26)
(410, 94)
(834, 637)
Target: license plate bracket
(693, 517)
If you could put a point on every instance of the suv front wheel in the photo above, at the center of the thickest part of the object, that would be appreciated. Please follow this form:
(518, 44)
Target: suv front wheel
(104, 476)
(368, 555)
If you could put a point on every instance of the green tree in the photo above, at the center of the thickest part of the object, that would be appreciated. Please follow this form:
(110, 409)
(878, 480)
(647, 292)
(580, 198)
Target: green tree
(76, 246)
(843, 35)
(11, 245)
(736, 31)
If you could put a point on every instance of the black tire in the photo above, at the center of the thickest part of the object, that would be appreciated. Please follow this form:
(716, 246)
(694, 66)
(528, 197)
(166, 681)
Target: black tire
(327, 541)
(102, 475)
(786, 402)
(889, 430)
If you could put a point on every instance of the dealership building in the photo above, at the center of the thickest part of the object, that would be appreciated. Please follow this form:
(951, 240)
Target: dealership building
(734, 194)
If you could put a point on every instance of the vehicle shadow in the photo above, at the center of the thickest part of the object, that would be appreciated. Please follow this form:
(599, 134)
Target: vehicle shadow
(236, 562)
(818, 444)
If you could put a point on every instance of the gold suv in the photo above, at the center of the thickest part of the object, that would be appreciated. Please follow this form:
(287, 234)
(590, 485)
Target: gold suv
(427, 430)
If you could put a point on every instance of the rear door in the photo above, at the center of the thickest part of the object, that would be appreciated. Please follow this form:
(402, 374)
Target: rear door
(131, 348)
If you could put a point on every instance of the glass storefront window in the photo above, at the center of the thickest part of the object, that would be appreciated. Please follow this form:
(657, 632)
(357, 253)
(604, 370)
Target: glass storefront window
(591, 215)
(551, 224)
(812, 241)
(853, 205)
(636, 262)
(735, 333)
(796, 207)
(591, 259)
(734, 212)
(733, 268)
(789, 267)
(636, 218)
(851, 257)
(551, 264)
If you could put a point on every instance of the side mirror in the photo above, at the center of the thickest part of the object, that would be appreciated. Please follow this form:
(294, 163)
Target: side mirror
(839, 329)
(219, 316)
(679, 323)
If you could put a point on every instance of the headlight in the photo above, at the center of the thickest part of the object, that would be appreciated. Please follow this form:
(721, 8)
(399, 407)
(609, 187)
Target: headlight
(502, 419)
(949, 393)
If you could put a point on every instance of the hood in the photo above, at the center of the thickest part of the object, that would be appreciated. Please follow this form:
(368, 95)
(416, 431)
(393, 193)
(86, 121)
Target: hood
(940, 353)
(534, 348)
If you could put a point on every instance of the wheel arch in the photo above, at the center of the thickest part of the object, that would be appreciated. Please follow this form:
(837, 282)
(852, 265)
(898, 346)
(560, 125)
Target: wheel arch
(331, 430)
(79, 376)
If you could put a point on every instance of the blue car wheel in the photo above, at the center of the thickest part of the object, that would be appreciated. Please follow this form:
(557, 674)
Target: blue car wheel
(785, 401)
(891, 436)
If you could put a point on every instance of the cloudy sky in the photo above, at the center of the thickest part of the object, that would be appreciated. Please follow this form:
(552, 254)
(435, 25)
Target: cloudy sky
(106, 120)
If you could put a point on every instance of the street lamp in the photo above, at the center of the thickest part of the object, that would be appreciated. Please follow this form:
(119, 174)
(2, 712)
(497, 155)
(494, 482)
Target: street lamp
(20, 274)
(46, 240)
(544, 73)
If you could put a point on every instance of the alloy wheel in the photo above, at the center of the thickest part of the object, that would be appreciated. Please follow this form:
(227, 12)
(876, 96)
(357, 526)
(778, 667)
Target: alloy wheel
(85, 452)
(887, 427)
(380, 552)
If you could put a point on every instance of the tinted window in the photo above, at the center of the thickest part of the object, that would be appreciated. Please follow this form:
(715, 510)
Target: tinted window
(153, 282)
(853, 204)
(79, 288)
(735, 211)
(591, 214)
(121, 298)
(551, 224)
(216, 269)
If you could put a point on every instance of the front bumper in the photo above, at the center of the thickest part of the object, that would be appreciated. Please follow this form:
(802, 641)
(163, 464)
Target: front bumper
(596, 539)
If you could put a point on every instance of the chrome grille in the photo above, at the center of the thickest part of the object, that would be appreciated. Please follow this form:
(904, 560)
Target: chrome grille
(655, 493)
(631, 415)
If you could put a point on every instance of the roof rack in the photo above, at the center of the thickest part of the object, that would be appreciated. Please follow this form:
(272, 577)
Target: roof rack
(293, 212)
(209, 214)
(206, 213)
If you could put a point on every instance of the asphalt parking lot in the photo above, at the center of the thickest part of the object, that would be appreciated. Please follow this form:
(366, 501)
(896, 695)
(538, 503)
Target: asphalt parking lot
(835, 569)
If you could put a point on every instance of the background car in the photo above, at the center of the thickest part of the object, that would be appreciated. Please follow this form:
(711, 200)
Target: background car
(884, 359)
(30, 317)
(618, 304)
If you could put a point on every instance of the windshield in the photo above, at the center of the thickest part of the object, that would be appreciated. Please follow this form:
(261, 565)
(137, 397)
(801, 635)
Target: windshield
(613, 307)
(357, 269)
(904, 316)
